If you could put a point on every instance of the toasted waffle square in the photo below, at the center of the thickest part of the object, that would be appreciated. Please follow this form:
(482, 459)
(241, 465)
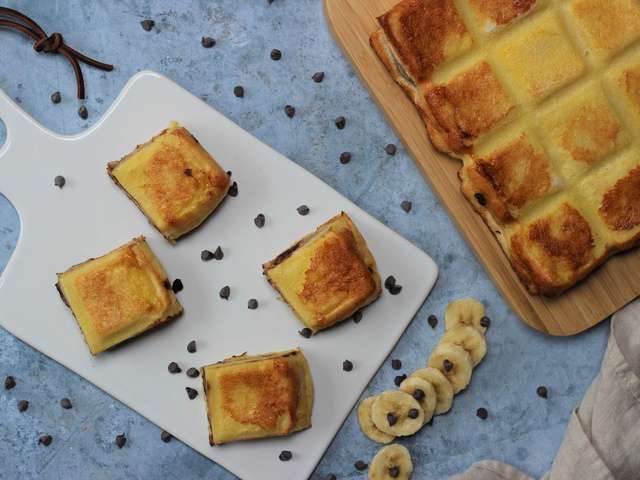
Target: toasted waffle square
(260, 396)
(494, 14)
(624, 82)
(119, 295)
(173, 180)
(328, 275)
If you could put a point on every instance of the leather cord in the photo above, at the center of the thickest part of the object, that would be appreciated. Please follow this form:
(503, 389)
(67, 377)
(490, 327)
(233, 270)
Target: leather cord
(53, 43)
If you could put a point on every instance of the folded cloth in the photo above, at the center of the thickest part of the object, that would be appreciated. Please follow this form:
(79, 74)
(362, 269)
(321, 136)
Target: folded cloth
(602, 440)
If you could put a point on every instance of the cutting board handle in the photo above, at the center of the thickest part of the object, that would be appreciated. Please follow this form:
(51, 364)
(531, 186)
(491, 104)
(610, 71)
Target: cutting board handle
(15, 120)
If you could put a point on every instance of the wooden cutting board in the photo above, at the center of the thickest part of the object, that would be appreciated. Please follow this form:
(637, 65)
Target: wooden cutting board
(604, 292)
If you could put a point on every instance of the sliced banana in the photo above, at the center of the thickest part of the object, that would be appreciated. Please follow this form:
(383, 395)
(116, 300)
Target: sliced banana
(468, 338)
(423, 392)
(442, 386)
(397, 413)
(454, 362)
(391, 462)
(366, 423)
(466, 311)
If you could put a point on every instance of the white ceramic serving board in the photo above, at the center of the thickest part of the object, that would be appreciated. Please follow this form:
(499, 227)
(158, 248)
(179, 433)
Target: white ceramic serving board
(91, 216)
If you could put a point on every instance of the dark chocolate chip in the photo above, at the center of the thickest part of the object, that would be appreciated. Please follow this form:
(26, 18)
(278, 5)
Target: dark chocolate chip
(206, 255)
(447, 365)
(303, 210)
(395, 289)
(174, 368)
(193, 373)
(406, 205)
(542, 392)
(59, 181)
(289, 111)
(56, 97)
(45, 440)
(218, 254)
(207, 42)
(66, 403)
(391, 419)
(188, 172)
(432, 320)
(357, 316)
(9, 382)
(192, 347)
(394, 472)
(165, 436)
(285, 456)
(306, 332)
(252, 304)
(482, 413)
(485, 322)
(389, 282)
(191, 392)
(391, 149)
(345, 157)
(225, 292)
(396, 364)
(418, 394)
(340, 122)
(347, 365)
(259, 220)
(399, 379)
(318, 77)
(177, 285)
(482, 200)
(276, 54)
(233, 190)
(413, 413)
(23, 405)
(360, 466)
(121, 440)
(238, 91)
(147, 25)
(83, 112)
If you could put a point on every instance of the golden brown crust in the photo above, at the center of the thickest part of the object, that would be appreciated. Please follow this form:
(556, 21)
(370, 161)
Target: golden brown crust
(620, 206)
(501, 12)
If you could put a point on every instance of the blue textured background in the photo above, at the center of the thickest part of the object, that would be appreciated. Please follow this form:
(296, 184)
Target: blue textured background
(522, 428)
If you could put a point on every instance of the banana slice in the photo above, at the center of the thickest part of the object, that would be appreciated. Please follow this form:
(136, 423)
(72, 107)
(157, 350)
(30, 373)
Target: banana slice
(442, 386)
(423, 392)
(466, 311)
(366, 424)
(454, 362)
(391, 462)
(469, 339)
(397, 413)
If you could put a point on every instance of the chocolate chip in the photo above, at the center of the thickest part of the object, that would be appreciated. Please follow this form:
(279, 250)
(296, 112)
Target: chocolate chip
(165, 436)
(56, 97)
(485, 322)
(121, 440)
(406, 205)
(207, 42)
(396, 364)
(418, 394)
(259, 220)
(206, 255)
(285, 456)
(276, 54)
(174, 368)
(391, 419)
(480, 198)
(252, 304)
(345, 157)
(83, 112)
(306, 332)
(395, 289)
(432, 320)
(542, 392)
(289, 111)
(340, 122)
(391, 149)
(66, 403)
(413, 413)
(177, 285)
(347, 365)
(394, 472)
(192, 347)
(238, 91)
(318, 77)
(218, 254)
(482, 413)
(9, 382)
(147, 25)
(357, 316)
(23, 405)
(447, 365)
(303, 210)
(399, 379)
(59, 181)
(389, 282)
(233, 190)
(193, 373)
(188, 172)
(45, 440)
(225, 292)
(360, 466)
(191, 392)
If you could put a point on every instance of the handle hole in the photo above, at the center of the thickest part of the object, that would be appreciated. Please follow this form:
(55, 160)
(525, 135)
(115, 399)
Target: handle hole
(3, 133)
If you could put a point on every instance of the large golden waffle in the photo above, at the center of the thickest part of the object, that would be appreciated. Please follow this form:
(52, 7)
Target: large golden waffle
(541, 101)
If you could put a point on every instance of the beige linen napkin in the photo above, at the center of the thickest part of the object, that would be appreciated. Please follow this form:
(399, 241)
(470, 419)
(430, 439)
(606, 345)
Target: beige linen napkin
(602, 441)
